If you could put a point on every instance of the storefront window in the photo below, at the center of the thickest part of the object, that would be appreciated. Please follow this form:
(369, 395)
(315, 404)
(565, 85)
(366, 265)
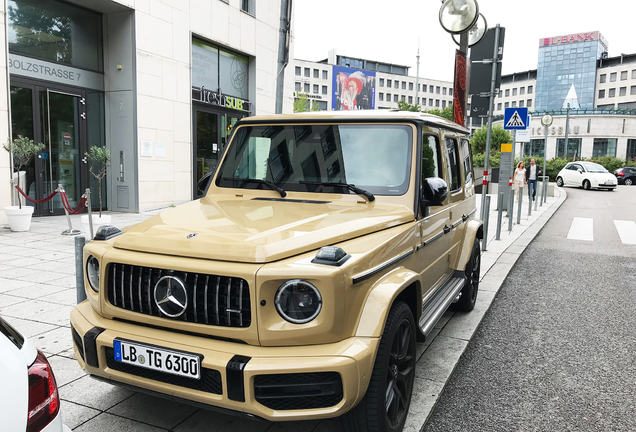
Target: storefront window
(631, 150)
(573, 150)
(217, 69)
(535, 147)
(55, 32)
(604, 147)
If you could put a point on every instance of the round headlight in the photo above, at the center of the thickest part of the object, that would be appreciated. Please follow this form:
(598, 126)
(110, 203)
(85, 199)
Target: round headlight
(92, 272)
(298, 301)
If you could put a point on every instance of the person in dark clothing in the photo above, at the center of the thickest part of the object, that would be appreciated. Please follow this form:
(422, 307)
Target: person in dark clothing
(532, 178)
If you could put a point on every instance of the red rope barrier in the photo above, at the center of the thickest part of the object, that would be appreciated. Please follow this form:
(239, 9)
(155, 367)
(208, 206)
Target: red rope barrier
(42, 201)
(80, 208)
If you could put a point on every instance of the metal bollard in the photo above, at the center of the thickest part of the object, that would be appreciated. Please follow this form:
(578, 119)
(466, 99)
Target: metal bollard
(519, 206)
(545, 189)
(511, 209)
(500, 200)
(486, 220)
(536, 192)
(80, 241)
(530, 190)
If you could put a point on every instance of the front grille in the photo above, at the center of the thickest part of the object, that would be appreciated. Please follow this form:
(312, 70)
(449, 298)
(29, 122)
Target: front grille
(214, 300)
(210, 381)
(299, 390)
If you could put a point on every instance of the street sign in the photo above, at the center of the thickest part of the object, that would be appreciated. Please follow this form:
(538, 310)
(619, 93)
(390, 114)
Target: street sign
(523, 136)
(516, 118)
(481, 73)
(505, 173)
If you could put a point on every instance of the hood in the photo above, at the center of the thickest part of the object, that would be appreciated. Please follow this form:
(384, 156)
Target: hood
(257, 230)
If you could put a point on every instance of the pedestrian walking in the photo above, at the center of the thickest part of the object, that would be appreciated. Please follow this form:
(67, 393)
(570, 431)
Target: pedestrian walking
(532, 178)
(520, 177)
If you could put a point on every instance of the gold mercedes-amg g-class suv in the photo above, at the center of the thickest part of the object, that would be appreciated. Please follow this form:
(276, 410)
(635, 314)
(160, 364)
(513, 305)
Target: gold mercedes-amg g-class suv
(325, 246)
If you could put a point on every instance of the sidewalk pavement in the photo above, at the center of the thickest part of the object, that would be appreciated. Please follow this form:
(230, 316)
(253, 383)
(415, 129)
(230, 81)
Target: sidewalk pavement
(37, 294)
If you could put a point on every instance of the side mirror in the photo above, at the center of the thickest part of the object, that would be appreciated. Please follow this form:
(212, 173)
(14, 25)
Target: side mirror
(204, 182)
(433, 192)
(580, 171)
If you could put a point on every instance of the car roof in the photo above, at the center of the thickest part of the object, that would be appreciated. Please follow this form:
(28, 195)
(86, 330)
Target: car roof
(361, 115)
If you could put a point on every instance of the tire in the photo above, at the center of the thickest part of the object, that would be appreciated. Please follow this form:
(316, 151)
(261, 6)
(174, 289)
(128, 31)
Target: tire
(587, 185)
(468, 298)
(393, 375)
(628, 182)
(559, 182)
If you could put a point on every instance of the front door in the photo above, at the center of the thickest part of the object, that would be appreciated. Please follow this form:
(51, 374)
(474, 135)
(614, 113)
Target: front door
(62, 115)
(54, 116)
(212, 131)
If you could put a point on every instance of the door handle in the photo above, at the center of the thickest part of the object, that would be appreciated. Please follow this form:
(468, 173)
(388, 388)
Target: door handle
(121, 166)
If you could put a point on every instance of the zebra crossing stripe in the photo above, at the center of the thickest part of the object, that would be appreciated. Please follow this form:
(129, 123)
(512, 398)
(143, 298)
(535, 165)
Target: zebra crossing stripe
(582, 229)
(626, 231)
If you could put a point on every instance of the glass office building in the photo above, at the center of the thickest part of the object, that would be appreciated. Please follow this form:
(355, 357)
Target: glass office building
(567, 60)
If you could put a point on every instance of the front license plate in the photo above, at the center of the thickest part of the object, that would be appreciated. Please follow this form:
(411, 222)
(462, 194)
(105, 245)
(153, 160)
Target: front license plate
(158, 358)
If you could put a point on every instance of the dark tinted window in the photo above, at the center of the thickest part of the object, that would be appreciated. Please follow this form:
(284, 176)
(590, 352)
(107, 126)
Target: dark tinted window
(452, 162)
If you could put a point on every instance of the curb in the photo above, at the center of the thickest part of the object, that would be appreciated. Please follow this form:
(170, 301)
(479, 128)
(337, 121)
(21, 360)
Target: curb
(451, 338)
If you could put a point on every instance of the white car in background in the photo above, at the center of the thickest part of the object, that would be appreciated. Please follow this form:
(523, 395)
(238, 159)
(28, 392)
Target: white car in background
(29, 399)
(588, 175)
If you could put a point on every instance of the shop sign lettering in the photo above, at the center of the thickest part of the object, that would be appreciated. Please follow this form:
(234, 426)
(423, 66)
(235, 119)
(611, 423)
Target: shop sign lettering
(213, 98)
(571, 38)
(39, 69)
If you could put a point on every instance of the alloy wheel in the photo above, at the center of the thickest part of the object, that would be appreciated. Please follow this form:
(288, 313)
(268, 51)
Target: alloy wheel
(628, 182)
(400, 374)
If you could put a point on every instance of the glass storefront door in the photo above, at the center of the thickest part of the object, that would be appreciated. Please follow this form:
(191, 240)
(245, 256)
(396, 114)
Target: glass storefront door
(212, 130)
(56, 117)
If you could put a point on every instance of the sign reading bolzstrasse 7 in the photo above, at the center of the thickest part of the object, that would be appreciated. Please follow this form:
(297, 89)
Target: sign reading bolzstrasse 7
(516, 118)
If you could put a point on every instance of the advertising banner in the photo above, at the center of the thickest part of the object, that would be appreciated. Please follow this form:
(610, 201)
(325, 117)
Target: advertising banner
(352, 89)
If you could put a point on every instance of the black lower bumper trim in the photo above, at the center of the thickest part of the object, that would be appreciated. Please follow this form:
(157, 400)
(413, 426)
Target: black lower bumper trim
(90, 346)
(178, 399)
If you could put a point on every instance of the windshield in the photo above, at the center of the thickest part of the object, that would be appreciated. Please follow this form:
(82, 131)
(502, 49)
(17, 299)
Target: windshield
(594, 167)
(376, 158)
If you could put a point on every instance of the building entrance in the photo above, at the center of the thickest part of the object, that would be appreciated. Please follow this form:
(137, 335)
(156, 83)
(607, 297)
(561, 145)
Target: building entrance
(212, 130)
(56, 117)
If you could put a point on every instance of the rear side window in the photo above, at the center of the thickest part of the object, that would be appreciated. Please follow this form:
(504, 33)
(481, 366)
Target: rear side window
(452, 161)
(430, 157)
(467, 163)
(11, 334)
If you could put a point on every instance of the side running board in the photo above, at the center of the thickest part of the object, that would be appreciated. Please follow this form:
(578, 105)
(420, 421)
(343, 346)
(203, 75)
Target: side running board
(440, 301)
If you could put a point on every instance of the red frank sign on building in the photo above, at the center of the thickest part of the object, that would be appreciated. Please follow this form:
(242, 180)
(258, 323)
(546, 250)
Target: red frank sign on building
(571, 38)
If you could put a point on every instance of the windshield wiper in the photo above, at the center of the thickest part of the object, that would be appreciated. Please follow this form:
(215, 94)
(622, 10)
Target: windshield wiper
(349, 186)
(267, 183)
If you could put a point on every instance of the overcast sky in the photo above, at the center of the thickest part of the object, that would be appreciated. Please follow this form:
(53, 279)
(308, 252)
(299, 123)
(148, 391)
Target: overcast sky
(388, 31)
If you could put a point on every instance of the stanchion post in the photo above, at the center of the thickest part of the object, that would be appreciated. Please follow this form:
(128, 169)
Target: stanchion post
(546, 181)
(536, 193)
(486, 220)
(70, 231)
(500, 200)
(80, 241)
(519, 205)
(87, 194)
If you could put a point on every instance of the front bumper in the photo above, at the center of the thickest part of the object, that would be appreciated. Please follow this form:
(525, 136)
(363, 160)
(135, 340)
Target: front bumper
(603, 184)
(351, 358)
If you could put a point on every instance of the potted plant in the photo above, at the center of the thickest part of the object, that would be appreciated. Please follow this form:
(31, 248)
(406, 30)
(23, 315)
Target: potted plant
(99, 157)
(22, 149)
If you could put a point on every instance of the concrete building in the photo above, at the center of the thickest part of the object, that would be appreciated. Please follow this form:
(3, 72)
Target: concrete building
(605, 123)
(160, 83)
(385, 83)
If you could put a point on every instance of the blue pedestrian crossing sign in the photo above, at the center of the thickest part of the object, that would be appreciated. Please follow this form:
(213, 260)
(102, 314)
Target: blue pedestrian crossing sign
(516, 118)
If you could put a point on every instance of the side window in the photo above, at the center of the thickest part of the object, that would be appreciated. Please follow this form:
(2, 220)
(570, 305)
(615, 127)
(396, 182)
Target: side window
(452, 162)
(467, 162)
(430, 157)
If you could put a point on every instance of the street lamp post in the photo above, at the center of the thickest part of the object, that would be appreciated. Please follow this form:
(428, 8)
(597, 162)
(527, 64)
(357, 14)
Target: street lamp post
(546, 122)
(567, 127)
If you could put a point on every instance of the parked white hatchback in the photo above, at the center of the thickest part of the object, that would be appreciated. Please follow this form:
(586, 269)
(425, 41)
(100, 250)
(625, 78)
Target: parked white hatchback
(29, 399)
(588, 175)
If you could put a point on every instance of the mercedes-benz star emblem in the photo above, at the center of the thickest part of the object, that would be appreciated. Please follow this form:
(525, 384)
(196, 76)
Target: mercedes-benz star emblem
(170, 296)
(192, 235)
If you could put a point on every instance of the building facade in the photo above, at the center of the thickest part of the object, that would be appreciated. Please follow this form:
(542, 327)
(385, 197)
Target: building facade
(377, 85)
(605, 123)
(158, 83)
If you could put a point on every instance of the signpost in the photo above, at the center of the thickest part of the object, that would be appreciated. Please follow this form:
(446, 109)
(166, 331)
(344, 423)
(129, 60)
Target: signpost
(505, 177)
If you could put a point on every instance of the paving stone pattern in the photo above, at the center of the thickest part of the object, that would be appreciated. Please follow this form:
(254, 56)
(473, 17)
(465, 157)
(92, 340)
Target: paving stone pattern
(37, 294)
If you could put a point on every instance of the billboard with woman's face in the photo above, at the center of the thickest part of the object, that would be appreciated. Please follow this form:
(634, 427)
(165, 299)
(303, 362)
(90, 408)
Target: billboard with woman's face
(352, 89)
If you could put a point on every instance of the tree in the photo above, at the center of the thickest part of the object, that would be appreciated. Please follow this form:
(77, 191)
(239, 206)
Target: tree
(303, 104)
(101, 157)
(22, 149)
(499, 136)
(446, 113)
(405, 106)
